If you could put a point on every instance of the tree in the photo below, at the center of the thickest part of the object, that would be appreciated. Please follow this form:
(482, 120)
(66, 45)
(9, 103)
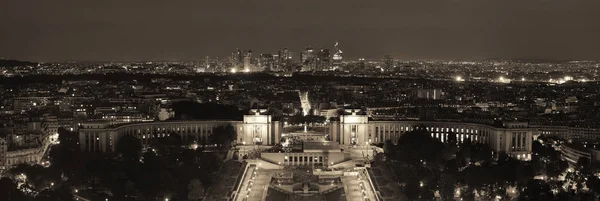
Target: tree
(389, 148)
(481, 153)
(196, 190)
(452, 140)
(536, 190)
(173, 140)
(37, 175)
(62, 193)
(447, 184)
(594, 184)
(223, 135)
(556, 168)
(67, 156)
(129, 148)
(583, 164)
(416, 147)
(203, 111)
(9, 191)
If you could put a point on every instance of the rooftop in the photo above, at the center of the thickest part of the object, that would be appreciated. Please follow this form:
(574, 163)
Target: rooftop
(321, 146)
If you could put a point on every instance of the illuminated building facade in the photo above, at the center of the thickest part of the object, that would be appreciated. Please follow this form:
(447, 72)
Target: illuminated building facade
(337, 58)
(254, 129)
(514, 138)
(323, 62)
(25, 155)
(237, 58)
(307, 58)
(433, 94)
(247, 61)
(266, 62)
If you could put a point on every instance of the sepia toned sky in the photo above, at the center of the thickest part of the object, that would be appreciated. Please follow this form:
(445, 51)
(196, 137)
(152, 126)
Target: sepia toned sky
(58, 30)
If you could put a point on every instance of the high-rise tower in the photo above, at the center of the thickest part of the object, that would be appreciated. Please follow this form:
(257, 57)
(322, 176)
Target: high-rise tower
(337, 58)
(247, 60)
(266, 62)
(323, 62)
(307, 59)
(388, 62)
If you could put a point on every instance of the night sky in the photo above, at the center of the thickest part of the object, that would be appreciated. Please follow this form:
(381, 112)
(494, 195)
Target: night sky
(58, 30)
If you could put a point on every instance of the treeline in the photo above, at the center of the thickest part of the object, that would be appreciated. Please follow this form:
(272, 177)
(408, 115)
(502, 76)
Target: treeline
(15, 63)
(190, 110)
(167, 167)
(429, 169)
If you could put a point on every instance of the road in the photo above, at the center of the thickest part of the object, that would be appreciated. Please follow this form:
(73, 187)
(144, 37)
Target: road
(358, 188)
(255, 185)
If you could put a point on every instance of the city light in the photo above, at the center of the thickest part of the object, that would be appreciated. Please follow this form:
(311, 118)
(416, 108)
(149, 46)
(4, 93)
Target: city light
(503, 80)
(192, 108)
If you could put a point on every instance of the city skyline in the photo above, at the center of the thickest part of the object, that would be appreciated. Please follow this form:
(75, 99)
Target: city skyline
(271, 100)
(442, 30)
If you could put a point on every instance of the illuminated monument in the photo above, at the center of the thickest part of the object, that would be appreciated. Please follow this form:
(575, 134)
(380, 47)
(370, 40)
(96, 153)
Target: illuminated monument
(305, 102)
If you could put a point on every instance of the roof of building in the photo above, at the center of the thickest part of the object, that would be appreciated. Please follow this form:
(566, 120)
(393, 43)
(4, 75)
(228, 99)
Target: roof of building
(321, 146)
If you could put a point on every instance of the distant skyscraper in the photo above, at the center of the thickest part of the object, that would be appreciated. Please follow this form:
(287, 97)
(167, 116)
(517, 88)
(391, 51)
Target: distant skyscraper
(361, 64)
(237, 58)
(388, 62)
(284, 55)
(337, 58)
(323, 62)
(266, 62)
(277, 61)
(247, 61)
(307, 59)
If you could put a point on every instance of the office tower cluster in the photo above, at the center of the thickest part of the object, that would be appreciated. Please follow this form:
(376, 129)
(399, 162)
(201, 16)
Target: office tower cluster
(310, 59)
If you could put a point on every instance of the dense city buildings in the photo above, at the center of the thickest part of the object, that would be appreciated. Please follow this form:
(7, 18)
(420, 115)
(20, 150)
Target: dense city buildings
(300, 101)
(308, 132)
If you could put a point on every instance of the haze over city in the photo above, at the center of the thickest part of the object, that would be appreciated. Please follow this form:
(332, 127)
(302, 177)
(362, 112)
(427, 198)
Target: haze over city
(154, 30)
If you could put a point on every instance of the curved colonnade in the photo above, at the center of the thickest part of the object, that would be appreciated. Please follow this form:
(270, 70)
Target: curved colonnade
(513, 138)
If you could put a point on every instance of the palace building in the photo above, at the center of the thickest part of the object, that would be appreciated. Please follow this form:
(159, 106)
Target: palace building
(513, 138)
(254, 129)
